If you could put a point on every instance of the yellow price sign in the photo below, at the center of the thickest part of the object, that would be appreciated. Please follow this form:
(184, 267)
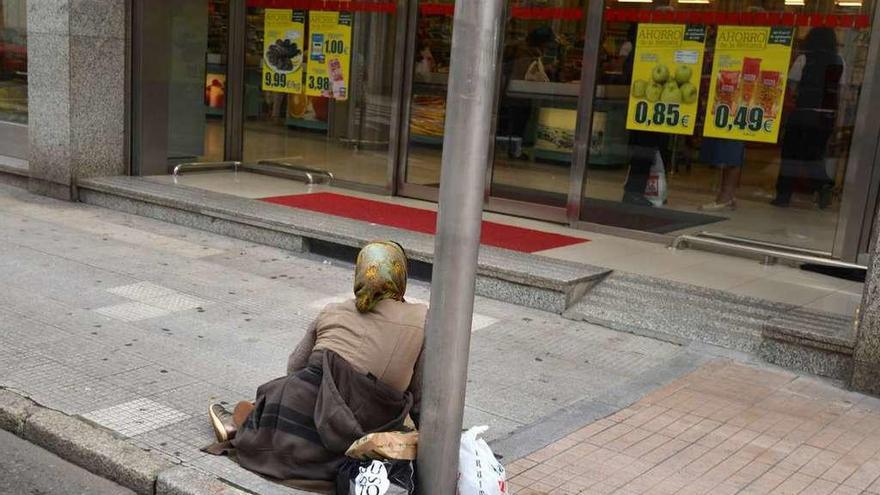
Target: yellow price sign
(748, 82)
(327, 73)
(283, 50)
(665, 86)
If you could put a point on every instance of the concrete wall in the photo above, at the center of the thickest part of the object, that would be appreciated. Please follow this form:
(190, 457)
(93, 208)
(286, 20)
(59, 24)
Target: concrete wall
(76, 92)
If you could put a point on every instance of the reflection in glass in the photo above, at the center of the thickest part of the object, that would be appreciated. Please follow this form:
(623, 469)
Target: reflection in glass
(13, 61)
(786, 192)
(348, 137)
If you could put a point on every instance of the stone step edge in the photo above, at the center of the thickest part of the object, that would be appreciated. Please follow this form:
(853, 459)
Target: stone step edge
(112, 186)
(808, 339)
(775, 337)
(12, 170)
(102, 453)
(494, 281)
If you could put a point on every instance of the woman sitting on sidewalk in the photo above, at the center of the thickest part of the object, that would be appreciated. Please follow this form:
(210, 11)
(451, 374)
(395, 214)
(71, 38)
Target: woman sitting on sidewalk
(356, 371)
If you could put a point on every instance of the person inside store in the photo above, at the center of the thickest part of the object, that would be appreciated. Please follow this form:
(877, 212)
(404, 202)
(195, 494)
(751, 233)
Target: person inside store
(530, 60)
(425, 64)
(726, 155)
(643, 146)
(356, 371)
(814, 85)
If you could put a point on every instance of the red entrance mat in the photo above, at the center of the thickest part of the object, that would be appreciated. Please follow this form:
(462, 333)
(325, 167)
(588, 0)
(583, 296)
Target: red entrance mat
(419, 220)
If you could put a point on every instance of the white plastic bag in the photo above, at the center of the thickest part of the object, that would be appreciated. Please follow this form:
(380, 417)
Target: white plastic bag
(536, 72)
(656, 191)
(479, 472)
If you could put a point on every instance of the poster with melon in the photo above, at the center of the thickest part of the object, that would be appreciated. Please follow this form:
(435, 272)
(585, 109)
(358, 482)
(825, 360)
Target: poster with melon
(665, 83)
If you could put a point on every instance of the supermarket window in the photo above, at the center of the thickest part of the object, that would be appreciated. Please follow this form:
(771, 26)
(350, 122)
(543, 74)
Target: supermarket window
(728, 119)
(13, 61)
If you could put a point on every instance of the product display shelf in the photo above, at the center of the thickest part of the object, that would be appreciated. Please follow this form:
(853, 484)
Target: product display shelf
(318, 125)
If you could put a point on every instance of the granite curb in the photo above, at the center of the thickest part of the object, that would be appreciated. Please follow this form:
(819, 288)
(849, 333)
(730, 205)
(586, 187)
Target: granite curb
(103, 453)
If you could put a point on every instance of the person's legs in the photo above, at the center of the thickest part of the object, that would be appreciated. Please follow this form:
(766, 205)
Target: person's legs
(241, 412)
(730, 177)
(226, 424)
(643, 149)
(790, 165)
(815, 150)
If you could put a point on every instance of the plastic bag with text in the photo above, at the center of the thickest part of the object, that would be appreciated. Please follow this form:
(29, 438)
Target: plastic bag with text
(656, 191)
(376, 478)
(479, 472)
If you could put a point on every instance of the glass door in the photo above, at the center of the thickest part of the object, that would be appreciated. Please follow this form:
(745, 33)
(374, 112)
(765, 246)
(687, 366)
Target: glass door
(766, 152)
(542, 63)
(179, 96)
(318, 86)
(536, 113)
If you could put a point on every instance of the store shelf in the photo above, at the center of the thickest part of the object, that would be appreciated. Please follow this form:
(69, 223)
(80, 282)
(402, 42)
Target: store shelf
(552, 155)
(553, 89)
(306, 124)
(427, 140)
(213, 112)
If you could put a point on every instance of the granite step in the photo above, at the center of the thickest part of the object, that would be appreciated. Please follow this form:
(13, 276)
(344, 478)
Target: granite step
(812, 341)
(526, 279)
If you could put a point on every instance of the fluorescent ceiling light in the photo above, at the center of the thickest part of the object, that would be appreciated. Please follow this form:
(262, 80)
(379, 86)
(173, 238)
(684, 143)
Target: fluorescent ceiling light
(635, 1)
(694, 1)
(796, 3)
(847, 3)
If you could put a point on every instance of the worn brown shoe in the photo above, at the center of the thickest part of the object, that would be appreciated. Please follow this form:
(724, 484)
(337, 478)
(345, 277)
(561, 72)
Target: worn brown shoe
(221, 420)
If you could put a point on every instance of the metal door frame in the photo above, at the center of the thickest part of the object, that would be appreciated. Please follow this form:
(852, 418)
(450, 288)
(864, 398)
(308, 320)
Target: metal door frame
(861, 188)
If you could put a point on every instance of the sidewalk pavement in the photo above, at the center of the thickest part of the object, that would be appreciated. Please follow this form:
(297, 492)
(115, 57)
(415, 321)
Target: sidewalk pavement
(723, 429)
(136, 325)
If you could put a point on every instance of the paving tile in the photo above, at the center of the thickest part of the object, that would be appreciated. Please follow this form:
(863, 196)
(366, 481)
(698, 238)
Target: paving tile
(133, 311)
(819, 487)
(136, 417)
(795, 484)
(141, 291)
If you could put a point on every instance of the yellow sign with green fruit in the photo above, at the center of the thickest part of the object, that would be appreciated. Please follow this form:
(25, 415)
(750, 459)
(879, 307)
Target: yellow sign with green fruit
(665, 84)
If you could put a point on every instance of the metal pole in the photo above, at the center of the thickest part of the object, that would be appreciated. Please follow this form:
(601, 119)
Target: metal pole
(467, 137)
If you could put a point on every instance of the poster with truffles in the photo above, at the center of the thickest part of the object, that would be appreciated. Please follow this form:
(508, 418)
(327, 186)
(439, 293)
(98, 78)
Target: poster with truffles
(282, 50)
(666, 78)
(748, 82)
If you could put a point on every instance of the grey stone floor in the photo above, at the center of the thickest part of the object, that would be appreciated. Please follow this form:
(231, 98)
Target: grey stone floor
(137, 325)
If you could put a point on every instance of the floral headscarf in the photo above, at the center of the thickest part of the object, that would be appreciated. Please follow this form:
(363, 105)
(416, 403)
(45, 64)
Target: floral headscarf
(380, 274)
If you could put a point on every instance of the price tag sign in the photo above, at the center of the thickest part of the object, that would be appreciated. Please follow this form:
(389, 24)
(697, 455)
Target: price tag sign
(665, 84)
(283, 50)
(748, 82)
(327, 73)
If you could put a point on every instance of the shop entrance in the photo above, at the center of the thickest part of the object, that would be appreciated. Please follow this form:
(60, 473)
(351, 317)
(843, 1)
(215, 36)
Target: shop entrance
(357, 90)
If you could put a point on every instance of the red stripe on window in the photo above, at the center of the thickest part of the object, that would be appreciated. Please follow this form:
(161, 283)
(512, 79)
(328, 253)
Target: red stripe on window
(351, 6)
(738, 18)
(547, 13)
(539, 13)
(436, 9)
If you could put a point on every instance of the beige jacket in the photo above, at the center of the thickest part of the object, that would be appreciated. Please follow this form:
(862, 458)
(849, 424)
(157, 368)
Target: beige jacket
(386, 342)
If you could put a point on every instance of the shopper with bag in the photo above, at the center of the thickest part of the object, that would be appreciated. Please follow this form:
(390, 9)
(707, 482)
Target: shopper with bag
(643, 146)
(356, 371)
(524, 60)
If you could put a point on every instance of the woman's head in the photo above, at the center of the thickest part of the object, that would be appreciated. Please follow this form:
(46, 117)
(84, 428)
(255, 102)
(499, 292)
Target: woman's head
(380, 274)
(821, 39)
